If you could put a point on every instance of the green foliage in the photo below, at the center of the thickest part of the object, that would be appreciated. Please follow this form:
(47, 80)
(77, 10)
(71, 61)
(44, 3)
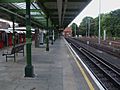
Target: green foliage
(87, 23)
(75, 29)
(109, 22)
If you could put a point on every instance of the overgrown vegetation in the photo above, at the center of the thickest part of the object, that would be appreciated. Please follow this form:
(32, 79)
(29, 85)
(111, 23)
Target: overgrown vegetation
(109, 22)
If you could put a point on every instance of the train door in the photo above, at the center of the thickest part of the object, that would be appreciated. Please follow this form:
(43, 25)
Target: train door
(1, 41)
(20, 37)
(5, 39)
(24, 38)
(10, 39)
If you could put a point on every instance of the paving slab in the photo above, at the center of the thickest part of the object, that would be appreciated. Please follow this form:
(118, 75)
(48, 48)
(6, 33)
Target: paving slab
(54, 70)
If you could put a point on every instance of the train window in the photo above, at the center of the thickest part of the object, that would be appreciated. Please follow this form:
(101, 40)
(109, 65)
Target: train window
(3, 36)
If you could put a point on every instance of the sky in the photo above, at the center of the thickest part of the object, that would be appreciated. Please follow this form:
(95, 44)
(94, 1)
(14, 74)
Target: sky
(92, 9)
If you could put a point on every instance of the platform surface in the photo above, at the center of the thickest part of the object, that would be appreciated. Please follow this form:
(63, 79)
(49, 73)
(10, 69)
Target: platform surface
(54, 70)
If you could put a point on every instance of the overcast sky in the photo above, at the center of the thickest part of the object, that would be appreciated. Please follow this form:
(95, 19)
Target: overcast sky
(93, 9)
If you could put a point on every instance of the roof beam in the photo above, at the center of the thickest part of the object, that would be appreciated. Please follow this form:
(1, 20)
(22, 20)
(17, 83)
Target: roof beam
(24, 10)
(55, 10)
(65, 6)
(72, 10)
(69, 0)
(13, 13)
(59, 6)
(69, 15)
(79, 0)
(37, 16)
(14, 1)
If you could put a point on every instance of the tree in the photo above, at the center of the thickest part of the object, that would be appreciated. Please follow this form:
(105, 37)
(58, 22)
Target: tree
(109, 22)
(87, 26)
(74, 29)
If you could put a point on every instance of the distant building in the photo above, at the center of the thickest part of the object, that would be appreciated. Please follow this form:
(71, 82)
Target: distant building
(67, 32)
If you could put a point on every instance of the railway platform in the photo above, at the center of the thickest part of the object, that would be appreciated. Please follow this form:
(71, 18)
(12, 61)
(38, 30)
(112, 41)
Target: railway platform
(54, 70)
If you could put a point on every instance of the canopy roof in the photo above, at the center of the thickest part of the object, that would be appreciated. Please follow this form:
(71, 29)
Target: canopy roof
(59, 12)
(62, 12)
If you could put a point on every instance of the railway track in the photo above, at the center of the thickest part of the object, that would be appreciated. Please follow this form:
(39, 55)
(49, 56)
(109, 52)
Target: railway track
(104, 47)
(111, 43)
(107, 74)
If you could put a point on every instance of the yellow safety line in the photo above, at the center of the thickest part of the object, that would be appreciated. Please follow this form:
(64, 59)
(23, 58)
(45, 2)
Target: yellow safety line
(85, 76)
(83, 73)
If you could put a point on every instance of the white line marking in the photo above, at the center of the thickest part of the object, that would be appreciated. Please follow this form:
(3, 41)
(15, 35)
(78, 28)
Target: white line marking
(90, 73)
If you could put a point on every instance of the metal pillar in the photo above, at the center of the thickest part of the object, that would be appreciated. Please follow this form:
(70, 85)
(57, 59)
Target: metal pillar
(75, 29)
(36, 37)
(104, 37)
(29, 68)
(88, 27)
(13, 20)
(41, 38)
(52, 36)
(99, 35)
(47, 38)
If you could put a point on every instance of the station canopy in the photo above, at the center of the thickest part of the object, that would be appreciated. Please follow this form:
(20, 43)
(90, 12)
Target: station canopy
(59, 12)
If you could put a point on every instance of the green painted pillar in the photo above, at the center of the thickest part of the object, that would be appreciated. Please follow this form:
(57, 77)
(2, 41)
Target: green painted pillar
(13, 39)
(29, 72)
(52, 34)
(56, 33)
(36, 37)
(52, 38)
(47, 38)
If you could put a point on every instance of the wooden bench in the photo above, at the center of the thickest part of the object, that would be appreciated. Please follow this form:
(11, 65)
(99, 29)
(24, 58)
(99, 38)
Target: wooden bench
(17, 49)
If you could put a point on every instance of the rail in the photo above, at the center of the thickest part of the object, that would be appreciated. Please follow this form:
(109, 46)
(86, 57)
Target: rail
(107, 74)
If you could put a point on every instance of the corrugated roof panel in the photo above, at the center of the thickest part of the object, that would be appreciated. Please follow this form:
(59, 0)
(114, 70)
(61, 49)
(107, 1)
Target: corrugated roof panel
(35, 13)
(20, 5)
(23, 5)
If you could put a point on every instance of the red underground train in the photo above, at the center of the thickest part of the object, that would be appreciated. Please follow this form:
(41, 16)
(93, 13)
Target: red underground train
(6, 36)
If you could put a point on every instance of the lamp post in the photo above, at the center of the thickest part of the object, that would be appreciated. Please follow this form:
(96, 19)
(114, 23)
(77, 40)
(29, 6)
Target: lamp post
(99, 35)
(86, 28)
(75, 29)
(89, 27)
